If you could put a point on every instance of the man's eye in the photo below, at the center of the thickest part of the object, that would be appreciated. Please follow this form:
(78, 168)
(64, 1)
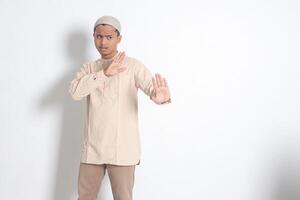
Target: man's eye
(98, 36)
(108, 37)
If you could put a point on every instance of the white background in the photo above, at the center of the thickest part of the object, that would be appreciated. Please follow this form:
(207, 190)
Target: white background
(233, 67)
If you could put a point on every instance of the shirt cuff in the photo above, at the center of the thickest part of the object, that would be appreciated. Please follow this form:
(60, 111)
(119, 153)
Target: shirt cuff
(100, 76)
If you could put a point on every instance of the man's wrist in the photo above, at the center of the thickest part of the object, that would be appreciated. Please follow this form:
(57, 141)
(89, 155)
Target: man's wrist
(165, 102)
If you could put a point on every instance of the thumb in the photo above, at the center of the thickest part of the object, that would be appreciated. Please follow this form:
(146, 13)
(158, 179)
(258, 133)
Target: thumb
(121, 69)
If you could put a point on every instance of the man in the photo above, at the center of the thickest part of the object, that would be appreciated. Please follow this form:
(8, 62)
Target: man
(111, 140)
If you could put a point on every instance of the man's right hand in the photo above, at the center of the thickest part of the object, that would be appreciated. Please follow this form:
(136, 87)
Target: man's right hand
(116, 66)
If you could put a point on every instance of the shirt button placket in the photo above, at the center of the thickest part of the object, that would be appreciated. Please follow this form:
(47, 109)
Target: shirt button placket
(118, 117)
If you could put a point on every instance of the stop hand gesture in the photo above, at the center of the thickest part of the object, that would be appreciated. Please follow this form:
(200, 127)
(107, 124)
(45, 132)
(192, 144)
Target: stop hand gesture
(161, 93)
(116, 66)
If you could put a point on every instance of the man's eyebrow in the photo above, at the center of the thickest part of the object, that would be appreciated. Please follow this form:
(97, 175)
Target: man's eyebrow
(102, 35)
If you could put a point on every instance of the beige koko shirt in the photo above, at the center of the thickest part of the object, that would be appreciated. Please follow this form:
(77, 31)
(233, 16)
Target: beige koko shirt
(111, 126)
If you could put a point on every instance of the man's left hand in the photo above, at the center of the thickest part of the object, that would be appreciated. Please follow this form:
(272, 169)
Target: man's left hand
(161, 93)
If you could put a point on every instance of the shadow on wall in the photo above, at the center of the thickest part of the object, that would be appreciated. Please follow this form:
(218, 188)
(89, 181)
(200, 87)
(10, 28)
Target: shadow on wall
(288, 175)
(72, 119)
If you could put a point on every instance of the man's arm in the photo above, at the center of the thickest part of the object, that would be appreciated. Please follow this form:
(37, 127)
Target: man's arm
(157, 89)
(86, 82)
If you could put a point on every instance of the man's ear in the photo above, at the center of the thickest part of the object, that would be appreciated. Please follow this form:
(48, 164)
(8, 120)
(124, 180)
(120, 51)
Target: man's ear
(120, 38)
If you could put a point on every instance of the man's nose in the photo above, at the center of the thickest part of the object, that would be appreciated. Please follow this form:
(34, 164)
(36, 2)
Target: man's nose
(103, 41)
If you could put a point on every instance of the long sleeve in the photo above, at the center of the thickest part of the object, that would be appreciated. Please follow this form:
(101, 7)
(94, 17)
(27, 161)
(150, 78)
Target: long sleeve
(143, 78)
(86, 82)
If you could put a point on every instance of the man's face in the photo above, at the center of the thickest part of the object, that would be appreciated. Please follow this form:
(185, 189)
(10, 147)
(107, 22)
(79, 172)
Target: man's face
(106, 40)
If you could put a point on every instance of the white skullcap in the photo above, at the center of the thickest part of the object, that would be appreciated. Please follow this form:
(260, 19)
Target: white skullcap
(109, 20)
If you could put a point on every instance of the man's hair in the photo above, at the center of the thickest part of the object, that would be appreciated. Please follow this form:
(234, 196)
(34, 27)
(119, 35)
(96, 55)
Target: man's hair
(116, 30)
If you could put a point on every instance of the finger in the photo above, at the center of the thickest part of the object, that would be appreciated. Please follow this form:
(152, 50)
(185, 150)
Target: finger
(121, 69)
(157, 80)
(122, 57)
(153, 94)
(119, 57)
(116, 59)
(160, 80)
(154, 83)
(165, 82)
(121, 66)
(123, 53)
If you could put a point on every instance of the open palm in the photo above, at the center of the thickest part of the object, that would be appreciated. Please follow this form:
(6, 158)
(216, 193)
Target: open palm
(161, 90)
(116, 66)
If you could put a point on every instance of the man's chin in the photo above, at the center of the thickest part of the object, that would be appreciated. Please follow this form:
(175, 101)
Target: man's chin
(105, 54)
